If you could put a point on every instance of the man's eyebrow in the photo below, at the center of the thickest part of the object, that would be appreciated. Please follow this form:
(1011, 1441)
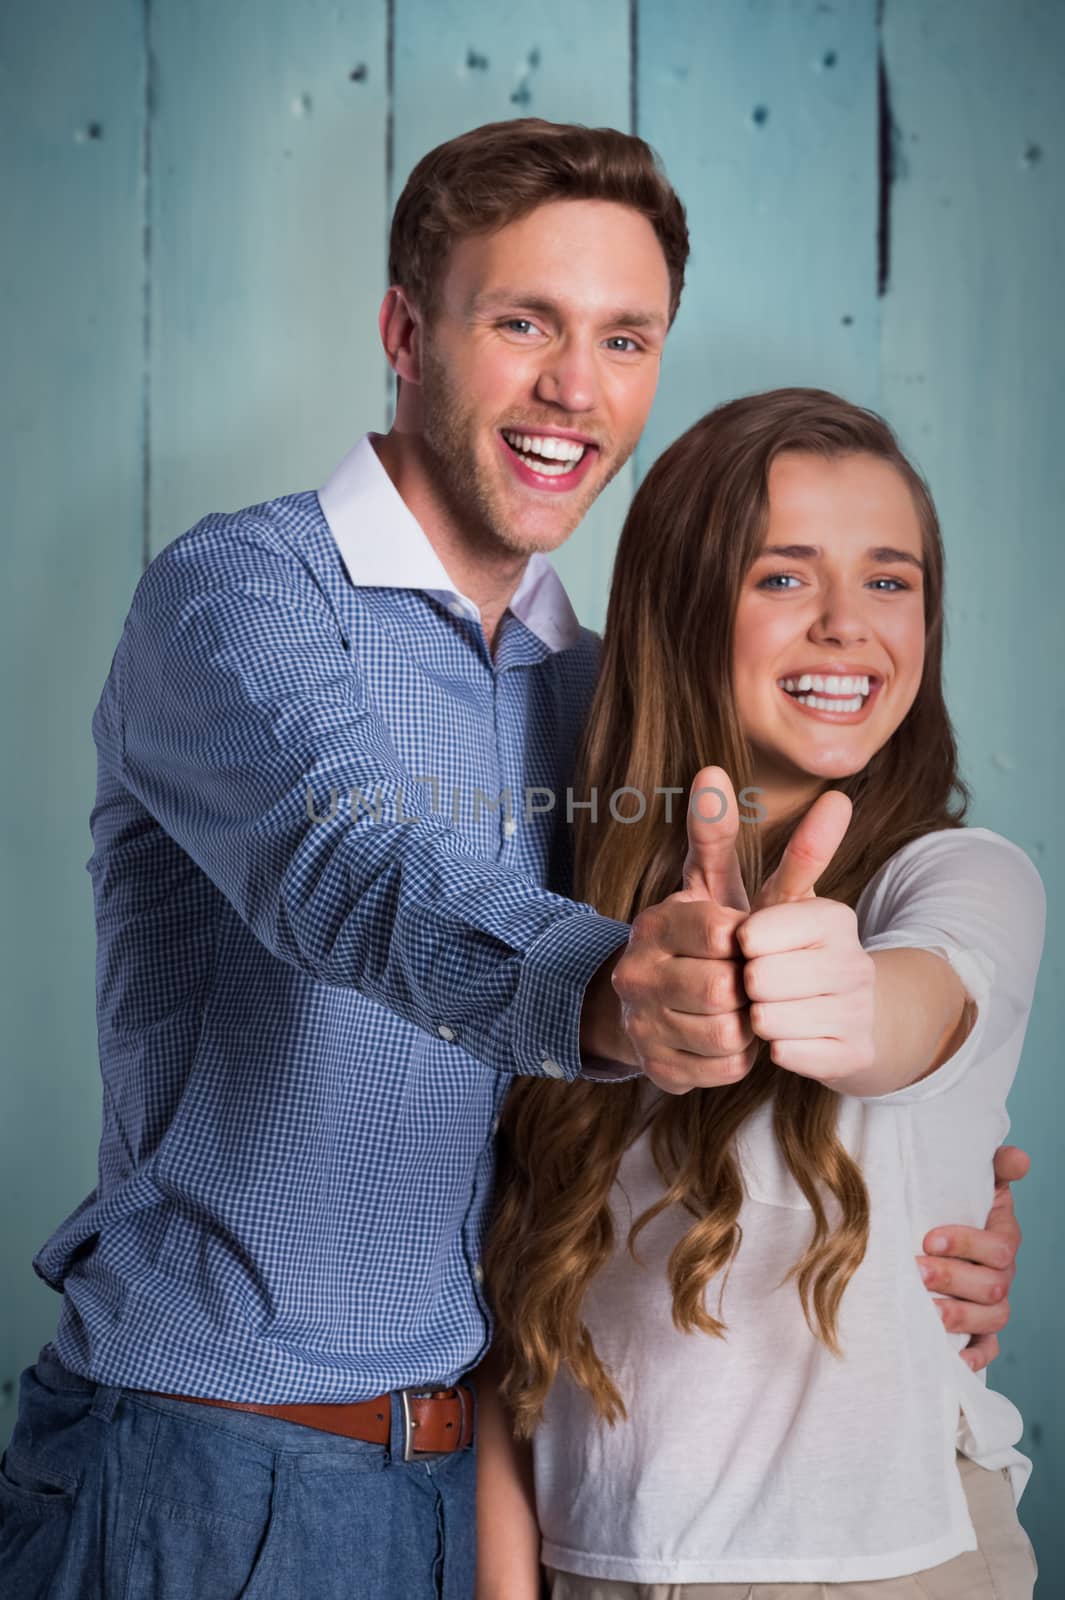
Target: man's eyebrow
(495, 298)
(810, 552)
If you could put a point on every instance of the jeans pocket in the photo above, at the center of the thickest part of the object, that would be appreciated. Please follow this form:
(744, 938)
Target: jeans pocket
(183, 1553)
(207, 1520)
(36, 1504)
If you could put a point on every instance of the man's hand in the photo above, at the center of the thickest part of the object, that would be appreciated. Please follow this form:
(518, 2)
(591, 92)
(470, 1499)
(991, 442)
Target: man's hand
(811, 985)
(683, 1008)
(977, 1266)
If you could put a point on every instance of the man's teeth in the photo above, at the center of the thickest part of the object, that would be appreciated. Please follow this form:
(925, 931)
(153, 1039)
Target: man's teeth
(829, 693)
(546, 454)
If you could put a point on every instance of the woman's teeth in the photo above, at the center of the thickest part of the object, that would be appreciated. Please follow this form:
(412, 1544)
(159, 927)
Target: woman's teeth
(829, 693)
(550, 456)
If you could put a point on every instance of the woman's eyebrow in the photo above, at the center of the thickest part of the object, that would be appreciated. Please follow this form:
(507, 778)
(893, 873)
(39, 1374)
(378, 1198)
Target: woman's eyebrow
(810, 552)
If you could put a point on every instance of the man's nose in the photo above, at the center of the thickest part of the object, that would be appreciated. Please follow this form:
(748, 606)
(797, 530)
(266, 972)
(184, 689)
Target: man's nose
(568, 377)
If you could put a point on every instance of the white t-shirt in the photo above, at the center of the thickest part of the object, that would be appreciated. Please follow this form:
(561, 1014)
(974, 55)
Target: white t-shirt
(766, 1458)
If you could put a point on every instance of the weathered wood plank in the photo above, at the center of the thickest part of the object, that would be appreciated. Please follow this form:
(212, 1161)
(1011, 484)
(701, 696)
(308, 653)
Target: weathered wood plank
(267, 204)
(973, 354)
(765, 116)
(71, 117)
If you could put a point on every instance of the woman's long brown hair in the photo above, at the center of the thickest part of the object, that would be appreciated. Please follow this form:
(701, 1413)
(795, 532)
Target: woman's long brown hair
(664, 707)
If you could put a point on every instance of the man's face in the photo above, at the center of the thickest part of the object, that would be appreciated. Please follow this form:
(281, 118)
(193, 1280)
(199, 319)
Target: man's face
(548, 335)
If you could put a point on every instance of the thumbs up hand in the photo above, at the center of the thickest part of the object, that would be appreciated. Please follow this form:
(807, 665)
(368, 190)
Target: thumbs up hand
(811, 985)
(683, 1009)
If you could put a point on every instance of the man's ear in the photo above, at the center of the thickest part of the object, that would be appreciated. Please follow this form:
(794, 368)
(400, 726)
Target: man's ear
(400, 324)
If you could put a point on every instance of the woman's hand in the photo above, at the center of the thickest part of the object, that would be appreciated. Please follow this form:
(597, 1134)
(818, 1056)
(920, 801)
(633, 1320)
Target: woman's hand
(811, 986)
(860, 1023)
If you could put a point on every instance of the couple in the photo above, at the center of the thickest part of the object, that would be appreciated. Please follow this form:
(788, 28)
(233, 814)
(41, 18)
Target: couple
(311, 1015)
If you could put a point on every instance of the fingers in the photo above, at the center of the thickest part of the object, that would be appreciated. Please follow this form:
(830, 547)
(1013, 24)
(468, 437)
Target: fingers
(808, 852)
(963, 1280)
(681, 927)
(672, 1032)
(1011, 1163)
(705, 988)
(960, 1316)
(819, 1017)
(981, 1351)
(677, 1072)
(802, 925)
(988, 1247)
(791, 975)
(711, 868)
(823, 1059)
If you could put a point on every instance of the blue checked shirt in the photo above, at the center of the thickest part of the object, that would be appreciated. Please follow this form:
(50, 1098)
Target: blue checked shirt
(321, 832)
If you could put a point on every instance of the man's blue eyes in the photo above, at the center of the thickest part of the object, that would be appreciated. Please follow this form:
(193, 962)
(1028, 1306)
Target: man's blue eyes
(615, 339)
(770, 582)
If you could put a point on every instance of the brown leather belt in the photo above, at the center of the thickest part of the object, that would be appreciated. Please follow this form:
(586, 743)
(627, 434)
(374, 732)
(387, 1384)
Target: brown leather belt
(435, 1421)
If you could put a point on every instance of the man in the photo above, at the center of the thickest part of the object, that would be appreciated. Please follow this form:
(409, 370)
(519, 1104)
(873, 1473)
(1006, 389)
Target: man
(330, 749)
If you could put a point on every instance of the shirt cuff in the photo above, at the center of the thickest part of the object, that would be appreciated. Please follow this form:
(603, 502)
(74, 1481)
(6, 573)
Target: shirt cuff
(556, 971)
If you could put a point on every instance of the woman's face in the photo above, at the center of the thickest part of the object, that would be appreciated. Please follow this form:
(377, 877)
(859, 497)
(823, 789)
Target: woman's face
(828, 647)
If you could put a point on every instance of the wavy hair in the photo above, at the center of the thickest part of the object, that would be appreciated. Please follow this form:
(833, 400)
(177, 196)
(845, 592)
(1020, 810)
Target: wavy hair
(694, 529)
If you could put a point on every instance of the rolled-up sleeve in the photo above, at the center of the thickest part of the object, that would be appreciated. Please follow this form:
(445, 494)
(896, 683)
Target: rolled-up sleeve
(237, 716)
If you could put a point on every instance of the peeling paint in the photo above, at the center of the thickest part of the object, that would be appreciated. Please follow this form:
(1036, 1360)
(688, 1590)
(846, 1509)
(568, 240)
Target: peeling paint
(760, 116)
(1033, 155)
(302, 105)
(476, 62)
(358, 74)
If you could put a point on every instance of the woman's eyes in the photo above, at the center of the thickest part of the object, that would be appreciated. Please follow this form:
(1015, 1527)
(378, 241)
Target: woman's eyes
(775, 578)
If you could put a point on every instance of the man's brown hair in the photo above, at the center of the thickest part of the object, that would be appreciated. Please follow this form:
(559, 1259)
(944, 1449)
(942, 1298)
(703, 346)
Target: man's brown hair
(499, 172)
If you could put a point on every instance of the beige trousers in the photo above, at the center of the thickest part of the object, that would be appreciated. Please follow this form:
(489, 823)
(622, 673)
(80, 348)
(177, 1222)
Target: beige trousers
(1003, 1568)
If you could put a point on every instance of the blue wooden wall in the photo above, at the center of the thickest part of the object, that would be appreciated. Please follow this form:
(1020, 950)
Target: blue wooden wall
(195, 206)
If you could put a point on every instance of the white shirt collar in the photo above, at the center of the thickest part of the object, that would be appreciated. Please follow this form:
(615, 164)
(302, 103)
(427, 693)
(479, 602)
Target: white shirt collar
(382, 544)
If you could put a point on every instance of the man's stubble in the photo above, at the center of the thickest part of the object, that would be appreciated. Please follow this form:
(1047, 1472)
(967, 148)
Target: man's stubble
(450, 431)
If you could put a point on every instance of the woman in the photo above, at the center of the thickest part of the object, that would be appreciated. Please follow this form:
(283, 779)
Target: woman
(710, 1317)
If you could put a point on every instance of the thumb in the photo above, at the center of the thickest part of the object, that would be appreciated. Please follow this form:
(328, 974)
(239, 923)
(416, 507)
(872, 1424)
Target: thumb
(712, 866)
(817, 837)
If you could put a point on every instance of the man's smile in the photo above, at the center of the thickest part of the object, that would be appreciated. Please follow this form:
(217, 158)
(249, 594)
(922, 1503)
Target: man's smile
(554, 461)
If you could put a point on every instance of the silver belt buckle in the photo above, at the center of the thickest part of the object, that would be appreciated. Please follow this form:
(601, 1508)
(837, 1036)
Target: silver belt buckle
(410, 1452)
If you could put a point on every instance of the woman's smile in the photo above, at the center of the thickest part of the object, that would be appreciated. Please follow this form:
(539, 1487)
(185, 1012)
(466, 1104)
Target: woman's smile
(838, 695)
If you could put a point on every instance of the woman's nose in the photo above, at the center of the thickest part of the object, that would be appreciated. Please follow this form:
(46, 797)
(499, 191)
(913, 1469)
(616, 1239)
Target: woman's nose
(841, 621)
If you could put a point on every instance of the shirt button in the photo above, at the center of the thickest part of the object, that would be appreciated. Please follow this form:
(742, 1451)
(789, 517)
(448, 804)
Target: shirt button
(456, 608)
(445, 1032)
(478, 1273)
(552, 1068)
(510, 827)
(495, 1126)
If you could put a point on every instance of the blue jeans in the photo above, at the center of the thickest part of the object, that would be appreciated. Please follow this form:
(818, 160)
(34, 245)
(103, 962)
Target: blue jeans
(112, 1494)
